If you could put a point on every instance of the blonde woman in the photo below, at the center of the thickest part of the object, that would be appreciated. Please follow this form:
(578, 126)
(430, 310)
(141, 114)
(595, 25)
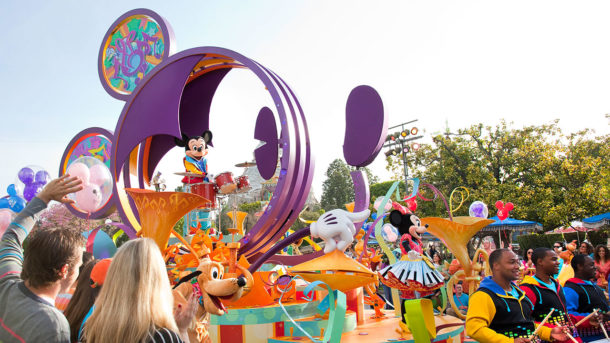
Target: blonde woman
(135, 304)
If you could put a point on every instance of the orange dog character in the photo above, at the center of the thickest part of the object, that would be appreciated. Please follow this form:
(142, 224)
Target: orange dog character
(208, 285)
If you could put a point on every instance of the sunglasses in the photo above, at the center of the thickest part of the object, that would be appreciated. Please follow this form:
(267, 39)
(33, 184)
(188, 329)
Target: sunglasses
(529, 252)
(557, 246)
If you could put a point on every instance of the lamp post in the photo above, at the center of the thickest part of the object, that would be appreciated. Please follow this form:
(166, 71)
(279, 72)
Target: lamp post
(398, 143)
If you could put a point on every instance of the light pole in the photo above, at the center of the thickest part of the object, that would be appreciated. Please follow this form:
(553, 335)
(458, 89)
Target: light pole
(398, 143)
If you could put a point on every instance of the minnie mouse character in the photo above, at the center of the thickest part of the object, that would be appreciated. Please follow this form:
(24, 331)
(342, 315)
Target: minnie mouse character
(415, 271)
(195, 162)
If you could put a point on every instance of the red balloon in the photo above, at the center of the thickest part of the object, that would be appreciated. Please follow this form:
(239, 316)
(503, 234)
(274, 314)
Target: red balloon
(412, 204)
(509, 206)
(502, 214)
(499, 204)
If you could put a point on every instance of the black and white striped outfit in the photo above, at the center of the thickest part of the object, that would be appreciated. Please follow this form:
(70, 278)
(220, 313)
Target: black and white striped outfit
(164, 335)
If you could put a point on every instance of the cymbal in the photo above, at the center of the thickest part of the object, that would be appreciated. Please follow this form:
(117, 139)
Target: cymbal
(246, 165)
(189, 174)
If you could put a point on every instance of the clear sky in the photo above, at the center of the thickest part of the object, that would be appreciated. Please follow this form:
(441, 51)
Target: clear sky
(463, 62)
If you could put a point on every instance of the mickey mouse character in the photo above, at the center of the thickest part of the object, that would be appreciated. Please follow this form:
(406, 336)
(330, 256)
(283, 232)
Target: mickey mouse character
(415, 271)
(196, 148)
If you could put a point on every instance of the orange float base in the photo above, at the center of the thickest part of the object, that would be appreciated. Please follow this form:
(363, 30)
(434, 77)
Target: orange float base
(370, 331)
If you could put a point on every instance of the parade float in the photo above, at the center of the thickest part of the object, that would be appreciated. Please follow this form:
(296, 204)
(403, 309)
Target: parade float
(319, 296)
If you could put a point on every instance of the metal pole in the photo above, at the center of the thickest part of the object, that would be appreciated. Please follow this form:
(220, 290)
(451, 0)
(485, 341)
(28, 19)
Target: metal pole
(402, 142)
(405, 167)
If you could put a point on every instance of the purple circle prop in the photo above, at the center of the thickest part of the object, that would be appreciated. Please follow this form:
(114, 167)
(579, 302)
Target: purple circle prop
(125, 57)
(366, 126)
(73, 151)
(266, 155)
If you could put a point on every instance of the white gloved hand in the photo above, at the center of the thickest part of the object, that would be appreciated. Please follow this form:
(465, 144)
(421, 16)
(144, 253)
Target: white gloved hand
(337, 229)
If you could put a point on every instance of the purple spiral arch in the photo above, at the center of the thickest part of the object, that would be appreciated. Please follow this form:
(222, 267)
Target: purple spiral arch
(185, 106)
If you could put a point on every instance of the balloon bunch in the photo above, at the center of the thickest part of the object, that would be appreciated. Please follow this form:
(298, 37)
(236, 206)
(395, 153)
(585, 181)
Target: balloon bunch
(504, 209)
(33, 179)
(97, 183)
(9, 205)
(29, 182)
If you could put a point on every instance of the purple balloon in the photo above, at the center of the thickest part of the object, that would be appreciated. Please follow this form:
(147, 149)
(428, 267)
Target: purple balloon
(31, 190)
(26, 175)
(42, 177)
(478, 209)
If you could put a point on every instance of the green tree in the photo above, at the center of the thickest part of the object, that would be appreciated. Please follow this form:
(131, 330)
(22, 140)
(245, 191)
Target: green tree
(337, 189)
(551, 178)
(373, 179)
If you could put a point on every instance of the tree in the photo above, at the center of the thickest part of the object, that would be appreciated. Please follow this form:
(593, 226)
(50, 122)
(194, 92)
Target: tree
(551, 178)
(373, 179)
(337, 189)
(58, 216)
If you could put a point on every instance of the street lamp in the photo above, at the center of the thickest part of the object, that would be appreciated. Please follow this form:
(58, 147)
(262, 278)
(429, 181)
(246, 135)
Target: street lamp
(398, 143)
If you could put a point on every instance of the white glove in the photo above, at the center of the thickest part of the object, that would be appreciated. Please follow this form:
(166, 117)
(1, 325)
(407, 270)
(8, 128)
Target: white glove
(337, 229)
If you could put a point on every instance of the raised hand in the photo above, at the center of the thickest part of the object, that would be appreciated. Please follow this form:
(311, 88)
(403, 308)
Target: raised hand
(184, 314)
(337, 229)
(58, 189)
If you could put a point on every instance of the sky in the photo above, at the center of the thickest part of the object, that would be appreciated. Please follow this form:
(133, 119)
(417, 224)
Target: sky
(441, 62)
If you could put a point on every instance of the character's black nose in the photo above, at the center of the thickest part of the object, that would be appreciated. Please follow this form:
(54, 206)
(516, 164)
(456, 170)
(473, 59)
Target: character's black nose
(426, 226)
(241, 281)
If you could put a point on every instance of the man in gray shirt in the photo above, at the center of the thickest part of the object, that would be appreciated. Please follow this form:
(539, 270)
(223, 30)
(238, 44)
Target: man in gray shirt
(30, 283)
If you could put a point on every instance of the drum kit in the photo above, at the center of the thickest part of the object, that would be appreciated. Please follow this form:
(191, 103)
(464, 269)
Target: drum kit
(224, 185)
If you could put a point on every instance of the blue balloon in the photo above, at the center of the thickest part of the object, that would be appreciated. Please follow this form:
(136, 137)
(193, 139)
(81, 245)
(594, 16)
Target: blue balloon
(4, 203)
(374, 216)
(12, 190)
(16, 204)
(103, 246)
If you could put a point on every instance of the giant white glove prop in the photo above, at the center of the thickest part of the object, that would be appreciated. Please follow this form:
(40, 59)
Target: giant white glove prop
(337, 229)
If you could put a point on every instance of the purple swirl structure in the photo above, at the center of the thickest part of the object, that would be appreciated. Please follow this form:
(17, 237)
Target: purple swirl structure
(175, 98)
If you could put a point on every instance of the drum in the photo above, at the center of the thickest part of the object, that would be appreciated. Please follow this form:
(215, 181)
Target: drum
(243, 184)
(224, 182)
(206, 190)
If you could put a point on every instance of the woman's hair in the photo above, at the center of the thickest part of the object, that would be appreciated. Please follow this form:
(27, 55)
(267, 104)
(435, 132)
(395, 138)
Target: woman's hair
(87, 257)
(596, 255)
(82, 300)
(589, 247)
(436, 253)
(136, 298)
